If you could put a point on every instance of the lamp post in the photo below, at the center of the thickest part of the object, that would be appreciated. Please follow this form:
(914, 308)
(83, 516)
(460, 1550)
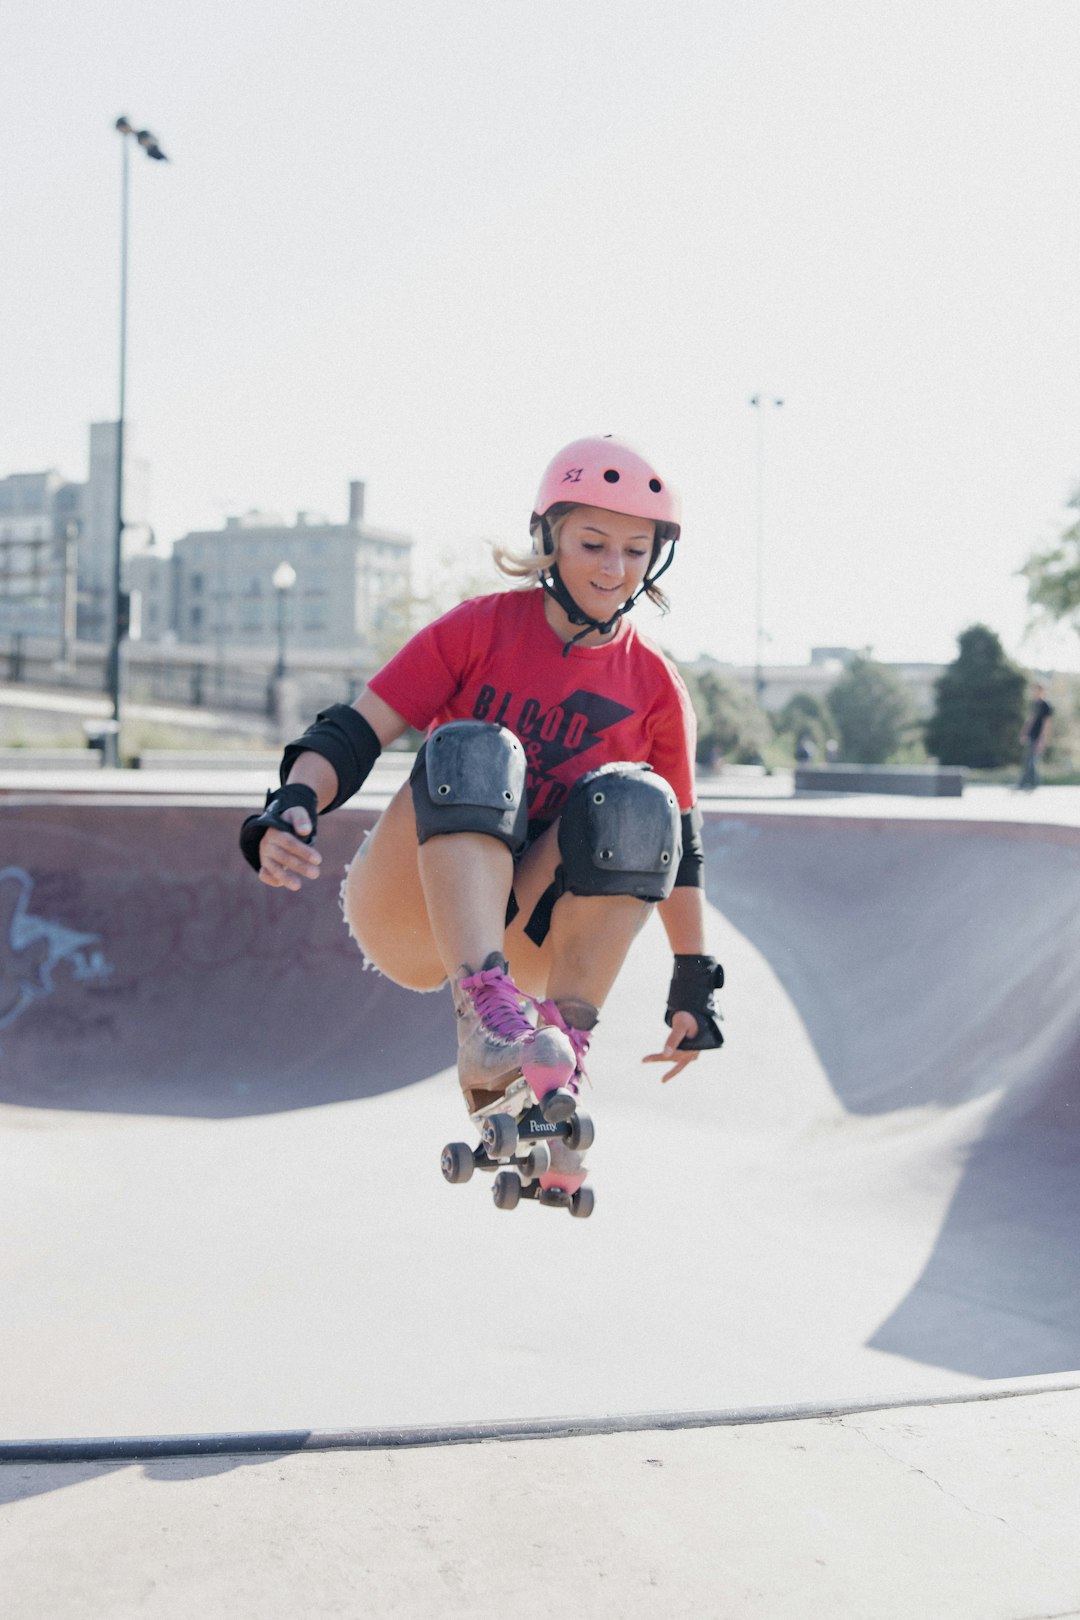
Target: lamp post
(761, 403)
(149, 144)
(284, 578)
(69, 600)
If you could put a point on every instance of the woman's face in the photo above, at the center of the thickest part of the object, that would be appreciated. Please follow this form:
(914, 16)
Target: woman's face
(603, 557)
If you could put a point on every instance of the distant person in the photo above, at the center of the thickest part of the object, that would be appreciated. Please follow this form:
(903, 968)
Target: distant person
(1035, 736)
(549, 810)
(806, 749)
(832, 751)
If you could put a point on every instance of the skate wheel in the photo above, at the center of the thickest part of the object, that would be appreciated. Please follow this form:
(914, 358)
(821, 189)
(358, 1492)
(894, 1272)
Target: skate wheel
(500, 1136)
(582, 1133)
(457, 1161)
(558, 1105)
(583, 1203)
(507, 1189)
(538, 1162)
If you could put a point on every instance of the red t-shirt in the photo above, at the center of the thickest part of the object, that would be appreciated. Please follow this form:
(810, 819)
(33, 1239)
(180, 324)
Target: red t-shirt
(496, 658)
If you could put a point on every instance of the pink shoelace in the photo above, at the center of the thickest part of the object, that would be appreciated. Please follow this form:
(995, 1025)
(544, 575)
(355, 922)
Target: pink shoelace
(499, 1004)
(579, 1040)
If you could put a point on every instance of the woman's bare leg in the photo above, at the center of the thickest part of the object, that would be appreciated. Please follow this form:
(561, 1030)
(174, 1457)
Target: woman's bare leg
(384, 903)
(418, 913)
(466, 879)
(589, 937)
(422, 915)
(575, 968)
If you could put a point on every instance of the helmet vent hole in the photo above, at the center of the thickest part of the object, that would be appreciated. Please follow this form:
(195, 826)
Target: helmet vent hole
(655, 485)
(611, 476)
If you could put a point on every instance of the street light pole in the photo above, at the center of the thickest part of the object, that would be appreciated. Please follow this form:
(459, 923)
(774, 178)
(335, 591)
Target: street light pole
(70, 597)
(112, 741)
(150, 146)
(284, 578)
(760, 402)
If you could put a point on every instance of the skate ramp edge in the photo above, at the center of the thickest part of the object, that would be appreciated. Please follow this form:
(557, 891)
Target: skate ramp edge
(135, 1448)
(932, 965)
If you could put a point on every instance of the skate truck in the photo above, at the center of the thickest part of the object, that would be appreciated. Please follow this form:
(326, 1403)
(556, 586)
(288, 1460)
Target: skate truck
(515, 1132)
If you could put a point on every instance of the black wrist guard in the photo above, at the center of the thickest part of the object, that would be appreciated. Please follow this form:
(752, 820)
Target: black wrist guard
(278, 800)
(692, 984)
(344, 738)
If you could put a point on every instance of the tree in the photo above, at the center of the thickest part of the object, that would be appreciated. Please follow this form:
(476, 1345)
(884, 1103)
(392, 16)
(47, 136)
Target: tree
(980, 705)
(451, 578)
(805, 715)
(873, 712)
(1053, 575)
(730, 723)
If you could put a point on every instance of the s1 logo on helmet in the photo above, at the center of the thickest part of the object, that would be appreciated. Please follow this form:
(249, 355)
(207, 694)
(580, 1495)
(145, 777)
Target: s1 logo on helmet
(573, 476)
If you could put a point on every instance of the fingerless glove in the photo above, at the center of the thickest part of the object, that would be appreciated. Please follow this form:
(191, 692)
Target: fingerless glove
(692, 984)
(278, 800)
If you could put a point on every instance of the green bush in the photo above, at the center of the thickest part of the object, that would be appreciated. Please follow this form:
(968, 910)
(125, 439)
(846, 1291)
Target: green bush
(731, 724)
(874, 713)
(980, 706)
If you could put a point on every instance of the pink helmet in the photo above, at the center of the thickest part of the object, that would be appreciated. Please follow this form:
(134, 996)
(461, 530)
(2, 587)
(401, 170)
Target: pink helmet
(612, 474)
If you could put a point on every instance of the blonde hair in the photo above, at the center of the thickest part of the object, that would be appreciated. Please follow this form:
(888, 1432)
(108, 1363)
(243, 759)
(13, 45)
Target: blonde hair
(528, 566)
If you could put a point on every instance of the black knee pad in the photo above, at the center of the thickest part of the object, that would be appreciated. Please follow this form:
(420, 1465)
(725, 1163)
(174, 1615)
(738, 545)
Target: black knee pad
(620, 833)
(469, 776)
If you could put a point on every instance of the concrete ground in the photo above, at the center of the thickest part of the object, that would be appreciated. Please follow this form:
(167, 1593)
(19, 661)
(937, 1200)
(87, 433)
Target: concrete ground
(960, 1511)
(222, 1212)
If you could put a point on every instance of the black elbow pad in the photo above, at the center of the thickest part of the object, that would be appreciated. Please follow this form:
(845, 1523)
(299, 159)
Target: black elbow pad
(344, 738)
(690, 872)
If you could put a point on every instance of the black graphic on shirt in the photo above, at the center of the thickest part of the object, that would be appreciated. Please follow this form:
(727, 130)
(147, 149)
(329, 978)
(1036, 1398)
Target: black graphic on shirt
(550, 736)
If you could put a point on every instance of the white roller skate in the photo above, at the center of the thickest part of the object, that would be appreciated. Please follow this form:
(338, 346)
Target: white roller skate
(521, 1083)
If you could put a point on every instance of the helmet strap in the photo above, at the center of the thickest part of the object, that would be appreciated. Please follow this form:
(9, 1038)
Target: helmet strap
(553, 583)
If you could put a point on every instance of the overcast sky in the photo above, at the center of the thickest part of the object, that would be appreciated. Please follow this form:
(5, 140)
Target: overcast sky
(425, 242)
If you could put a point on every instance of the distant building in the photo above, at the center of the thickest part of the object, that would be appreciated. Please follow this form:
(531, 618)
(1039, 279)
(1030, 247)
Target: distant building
(833, 657)
(151, 581)
(352, 580)
(57, 542)
(781, 682)
(97, 539)
(57, 551)
(39, 528)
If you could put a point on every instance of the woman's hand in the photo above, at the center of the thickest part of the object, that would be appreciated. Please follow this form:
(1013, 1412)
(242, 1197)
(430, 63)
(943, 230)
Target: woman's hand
(284, 861)
(683, 1027)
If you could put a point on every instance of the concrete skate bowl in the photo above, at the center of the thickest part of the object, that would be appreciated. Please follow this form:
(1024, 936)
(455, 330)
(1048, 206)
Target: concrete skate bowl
(872, 1189)
(935, 966)
(144, 969)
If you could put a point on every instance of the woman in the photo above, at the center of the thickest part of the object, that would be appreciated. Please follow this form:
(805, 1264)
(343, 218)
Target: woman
(550, 808)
